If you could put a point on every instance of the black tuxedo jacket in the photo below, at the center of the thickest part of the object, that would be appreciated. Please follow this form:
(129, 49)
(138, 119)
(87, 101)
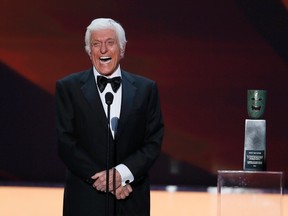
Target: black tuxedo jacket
(82, 140)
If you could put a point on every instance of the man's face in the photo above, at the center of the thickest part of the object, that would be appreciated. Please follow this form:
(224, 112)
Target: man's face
(105, 51)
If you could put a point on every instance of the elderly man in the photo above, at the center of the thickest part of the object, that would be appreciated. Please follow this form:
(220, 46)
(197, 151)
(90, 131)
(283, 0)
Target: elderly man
(133, 133)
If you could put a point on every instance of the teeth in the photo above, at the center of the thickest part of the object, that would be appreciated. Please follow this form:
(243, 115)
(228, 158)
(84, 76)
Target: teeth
(105, 58)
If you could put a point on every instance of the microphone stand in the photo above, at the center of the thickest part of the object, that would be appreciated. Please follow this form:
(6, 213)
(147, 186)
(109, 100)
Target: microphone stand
(109, 101)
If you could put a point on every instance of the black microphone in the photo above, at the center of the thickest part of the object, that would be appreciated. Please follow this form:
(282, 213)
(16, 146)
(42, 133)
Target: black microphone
(109, 98)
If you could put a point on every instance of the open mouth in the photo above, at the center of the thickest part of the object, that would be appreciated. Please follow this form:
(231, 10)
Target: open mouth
(256, 108)
(105, 59)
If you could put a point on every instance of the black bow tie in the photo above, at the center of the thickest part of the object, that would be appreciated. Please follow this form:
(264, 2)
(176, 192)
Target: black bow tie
(102, 82)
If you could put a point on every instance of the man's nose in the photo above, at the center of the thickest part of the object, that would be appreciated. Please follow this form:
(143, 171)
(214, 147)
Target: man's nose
(103, 48)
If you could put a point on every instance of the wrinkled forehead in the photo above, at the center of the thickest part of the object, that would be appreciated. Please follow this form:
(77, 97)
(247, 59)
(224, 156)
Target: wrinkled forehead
(104, 33)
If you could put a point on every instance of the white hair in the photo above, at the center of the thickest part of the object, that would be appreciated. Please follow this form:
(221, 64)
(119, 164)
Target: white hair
(105, 23)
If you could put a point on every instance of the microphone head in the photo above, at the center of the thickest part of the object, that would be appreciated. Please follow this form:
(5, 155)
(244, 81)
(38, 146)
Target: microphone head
(109, 98)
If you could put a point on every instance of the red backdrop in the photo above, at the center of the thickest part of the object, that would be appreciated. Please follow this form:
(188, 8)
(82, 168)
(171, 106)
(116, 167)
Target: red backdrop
(203, 54)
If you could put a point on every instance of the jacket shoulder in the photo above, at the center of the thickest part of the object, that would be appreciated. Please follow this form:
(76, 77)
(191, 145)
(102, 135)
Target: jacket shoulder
(135, 78)
(75, 77)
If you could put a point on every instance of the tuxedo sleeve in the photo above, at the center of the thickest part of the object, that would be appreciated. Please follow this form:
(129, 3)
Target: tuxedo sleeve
(72, 154)
(143, 158)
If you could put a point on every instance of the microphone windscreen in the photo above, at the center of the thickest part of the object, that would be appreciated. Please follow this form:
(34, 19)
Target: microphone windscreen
(109, 98)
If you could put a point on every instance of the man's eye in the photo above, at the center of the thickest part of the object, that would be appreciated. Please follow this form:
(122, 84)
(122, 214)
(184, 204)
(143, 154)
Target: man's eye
(110, 43)
(96, 44)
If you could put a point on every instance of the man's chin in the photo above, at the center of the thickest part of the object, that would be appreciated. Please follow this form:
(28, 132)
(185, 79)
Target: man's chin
(105, 71)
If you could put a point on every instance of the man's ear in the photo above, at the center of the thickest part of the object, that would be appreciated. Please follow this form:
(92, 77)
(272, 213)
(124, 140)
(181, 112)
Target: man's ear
(122, 51)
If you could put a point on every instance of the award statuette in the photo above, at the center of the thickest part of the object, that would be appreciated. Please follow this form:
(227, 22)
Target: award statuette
(255, 132)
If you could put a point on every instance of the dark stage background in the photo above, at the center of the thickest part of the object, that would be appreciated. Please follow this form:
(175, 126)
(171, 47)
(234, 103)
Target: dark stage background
(203, 54)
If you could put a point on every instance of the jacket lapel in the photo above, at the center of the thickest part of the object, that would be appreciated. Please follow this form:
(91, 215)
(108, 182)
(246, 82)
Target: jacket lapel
(128, 97)
(89, 90)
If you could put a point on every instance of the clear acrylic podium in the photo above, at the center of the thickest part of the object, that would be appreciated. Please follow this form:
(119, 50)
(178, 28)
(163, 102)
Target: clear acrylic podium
(248, 193)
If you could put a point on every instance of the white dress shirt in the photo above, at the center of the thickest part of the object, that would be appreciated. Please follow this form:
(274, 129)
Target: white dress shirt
(115, 109)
